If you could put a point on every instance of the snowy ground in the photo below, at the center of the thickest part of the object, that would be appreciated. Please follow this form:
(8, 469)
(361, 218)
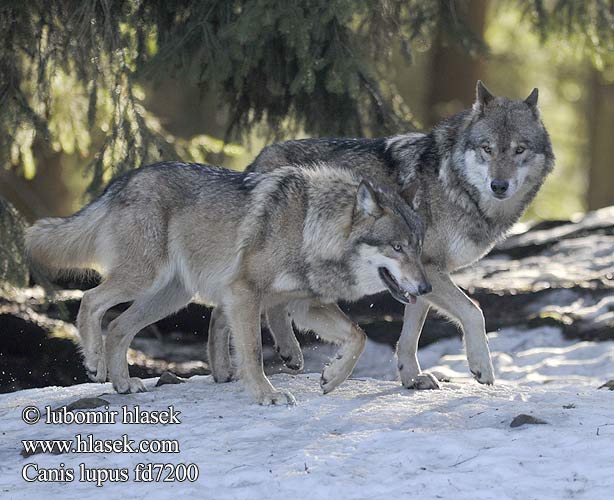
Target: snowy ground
(369, 439)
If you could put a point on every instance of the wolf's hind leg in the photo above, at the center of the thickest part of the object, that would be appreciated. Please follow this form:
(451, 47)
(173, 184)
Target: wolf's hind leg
(153, 306)
(407, 348)
(286, 344)
(94, 304)
(333, 325)
(218, 346)
(243, 315)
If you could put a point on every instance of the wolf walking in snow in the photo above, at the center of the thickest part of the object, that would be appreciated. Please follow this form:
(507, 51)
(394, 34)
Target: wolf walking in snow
(475, 173)
(302, 237)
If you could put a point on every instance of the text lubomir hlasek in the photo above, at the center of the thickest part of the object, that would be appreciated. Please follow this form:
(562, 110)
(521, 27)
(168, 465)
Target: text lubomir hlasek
(135, 415)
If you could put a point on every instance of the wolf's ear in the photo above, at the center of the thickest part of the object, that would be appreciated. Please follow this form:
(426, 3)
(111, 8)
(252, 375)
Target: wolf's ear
(531, 101)
(366, 200)
(482, 96)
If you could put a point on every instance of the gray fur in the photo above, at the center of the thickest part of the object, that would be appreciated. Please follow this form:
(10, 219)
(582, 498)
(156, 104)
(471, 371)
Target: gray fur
(452, 174)
(302, 237)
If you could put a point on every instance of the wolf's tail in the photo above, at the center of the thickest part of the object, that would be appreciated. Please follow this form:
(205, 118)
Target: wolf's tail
(57, 244)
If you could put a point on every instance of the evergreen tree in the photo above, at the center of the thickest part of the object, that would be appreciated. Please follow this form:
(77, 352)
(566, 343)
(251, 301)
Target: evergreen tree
(317, 65)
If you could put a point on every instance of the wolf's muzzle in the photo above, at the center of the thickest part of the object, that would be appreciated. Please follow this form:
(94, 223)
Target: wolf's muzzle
(399, 292)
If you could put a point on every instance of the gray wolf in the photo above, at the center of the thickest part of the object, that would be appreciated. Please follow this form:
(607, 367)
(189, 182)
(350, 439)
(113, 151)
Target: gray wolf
(475, 173)
(305, 237)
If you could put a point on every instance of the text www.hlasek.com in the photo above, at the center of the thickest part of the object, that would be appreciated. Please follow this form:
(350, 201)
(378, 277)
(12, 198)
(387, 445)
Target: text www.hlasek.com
(89, 444)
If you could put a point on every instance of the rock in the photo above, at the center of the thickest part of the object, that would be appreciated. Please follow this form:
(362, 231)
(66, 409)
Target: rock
(169, 378)
(523, 419)
(608, 385)
(85, 404)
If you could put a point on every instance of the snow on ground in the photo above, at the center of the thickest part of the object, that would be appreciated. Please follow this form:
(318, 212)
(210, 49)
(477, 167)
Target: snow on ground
(369, 439)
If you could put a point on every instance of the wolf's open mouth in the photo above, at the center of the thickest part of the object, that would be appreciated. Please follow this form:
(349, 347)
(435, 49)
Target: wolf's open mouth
(394, 288)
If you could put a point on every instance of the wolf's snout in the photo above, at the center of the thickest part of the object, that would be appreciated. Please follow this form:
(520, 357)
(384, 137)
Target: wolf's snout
(424, 288)
(499, 187)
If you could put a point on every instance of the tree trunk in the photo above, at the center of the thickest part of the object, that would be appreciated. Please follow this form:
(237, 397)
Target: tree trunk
(601, 143)
(13, 266)
(453, 71)
(46, 194)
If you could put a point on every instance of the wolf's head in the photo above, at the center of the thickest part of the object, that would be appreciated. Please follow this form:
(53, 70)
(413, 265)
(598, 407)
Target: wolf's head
(387, 237)
(506, 150)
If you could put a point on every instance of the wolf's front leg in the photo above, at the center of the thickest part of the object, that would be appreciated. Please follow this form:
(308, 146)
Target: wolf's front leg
(452, 301)
(243, 315)
(334, 326)
(412, 376)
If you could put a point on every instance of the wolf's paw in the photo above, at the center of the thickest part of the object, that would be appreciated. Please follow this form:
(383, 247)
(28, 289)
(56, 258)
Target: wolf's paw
(342, 366)
(482, 369)
(292, 358)
(222, 375)
(413, 378)
(221, 367)
(423, 382)
(487, 377)
(276, 398)
(480, 364)
(96, 368)
(335, 373)
(100, 374)
(129, 385)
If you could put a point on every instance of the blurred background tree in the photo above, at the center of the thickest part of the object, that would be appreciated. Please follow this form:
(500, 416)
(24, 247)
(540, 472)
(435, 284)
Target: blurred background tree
(92, 88)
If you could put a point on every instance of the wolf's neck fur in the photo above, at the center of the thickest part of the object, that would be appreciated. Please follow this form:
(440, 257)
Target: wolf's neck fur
(326, 245)
(325, 198)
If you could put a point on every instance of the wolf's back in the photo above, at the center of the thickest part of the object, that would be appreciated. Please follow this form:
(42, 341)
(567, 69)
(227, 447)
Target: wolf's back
(60, 243)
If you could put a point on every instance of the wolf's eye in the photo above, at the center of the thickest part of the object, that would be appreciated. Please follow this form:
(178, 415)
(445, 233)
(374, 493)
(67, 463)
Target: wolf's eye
(487, 149)
(396, 247)
(519, 150)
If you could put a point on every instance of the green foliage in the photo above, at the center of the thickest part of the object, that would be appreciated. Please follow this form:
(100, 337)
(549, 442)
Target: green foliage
(589, 25)
(70, 70)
